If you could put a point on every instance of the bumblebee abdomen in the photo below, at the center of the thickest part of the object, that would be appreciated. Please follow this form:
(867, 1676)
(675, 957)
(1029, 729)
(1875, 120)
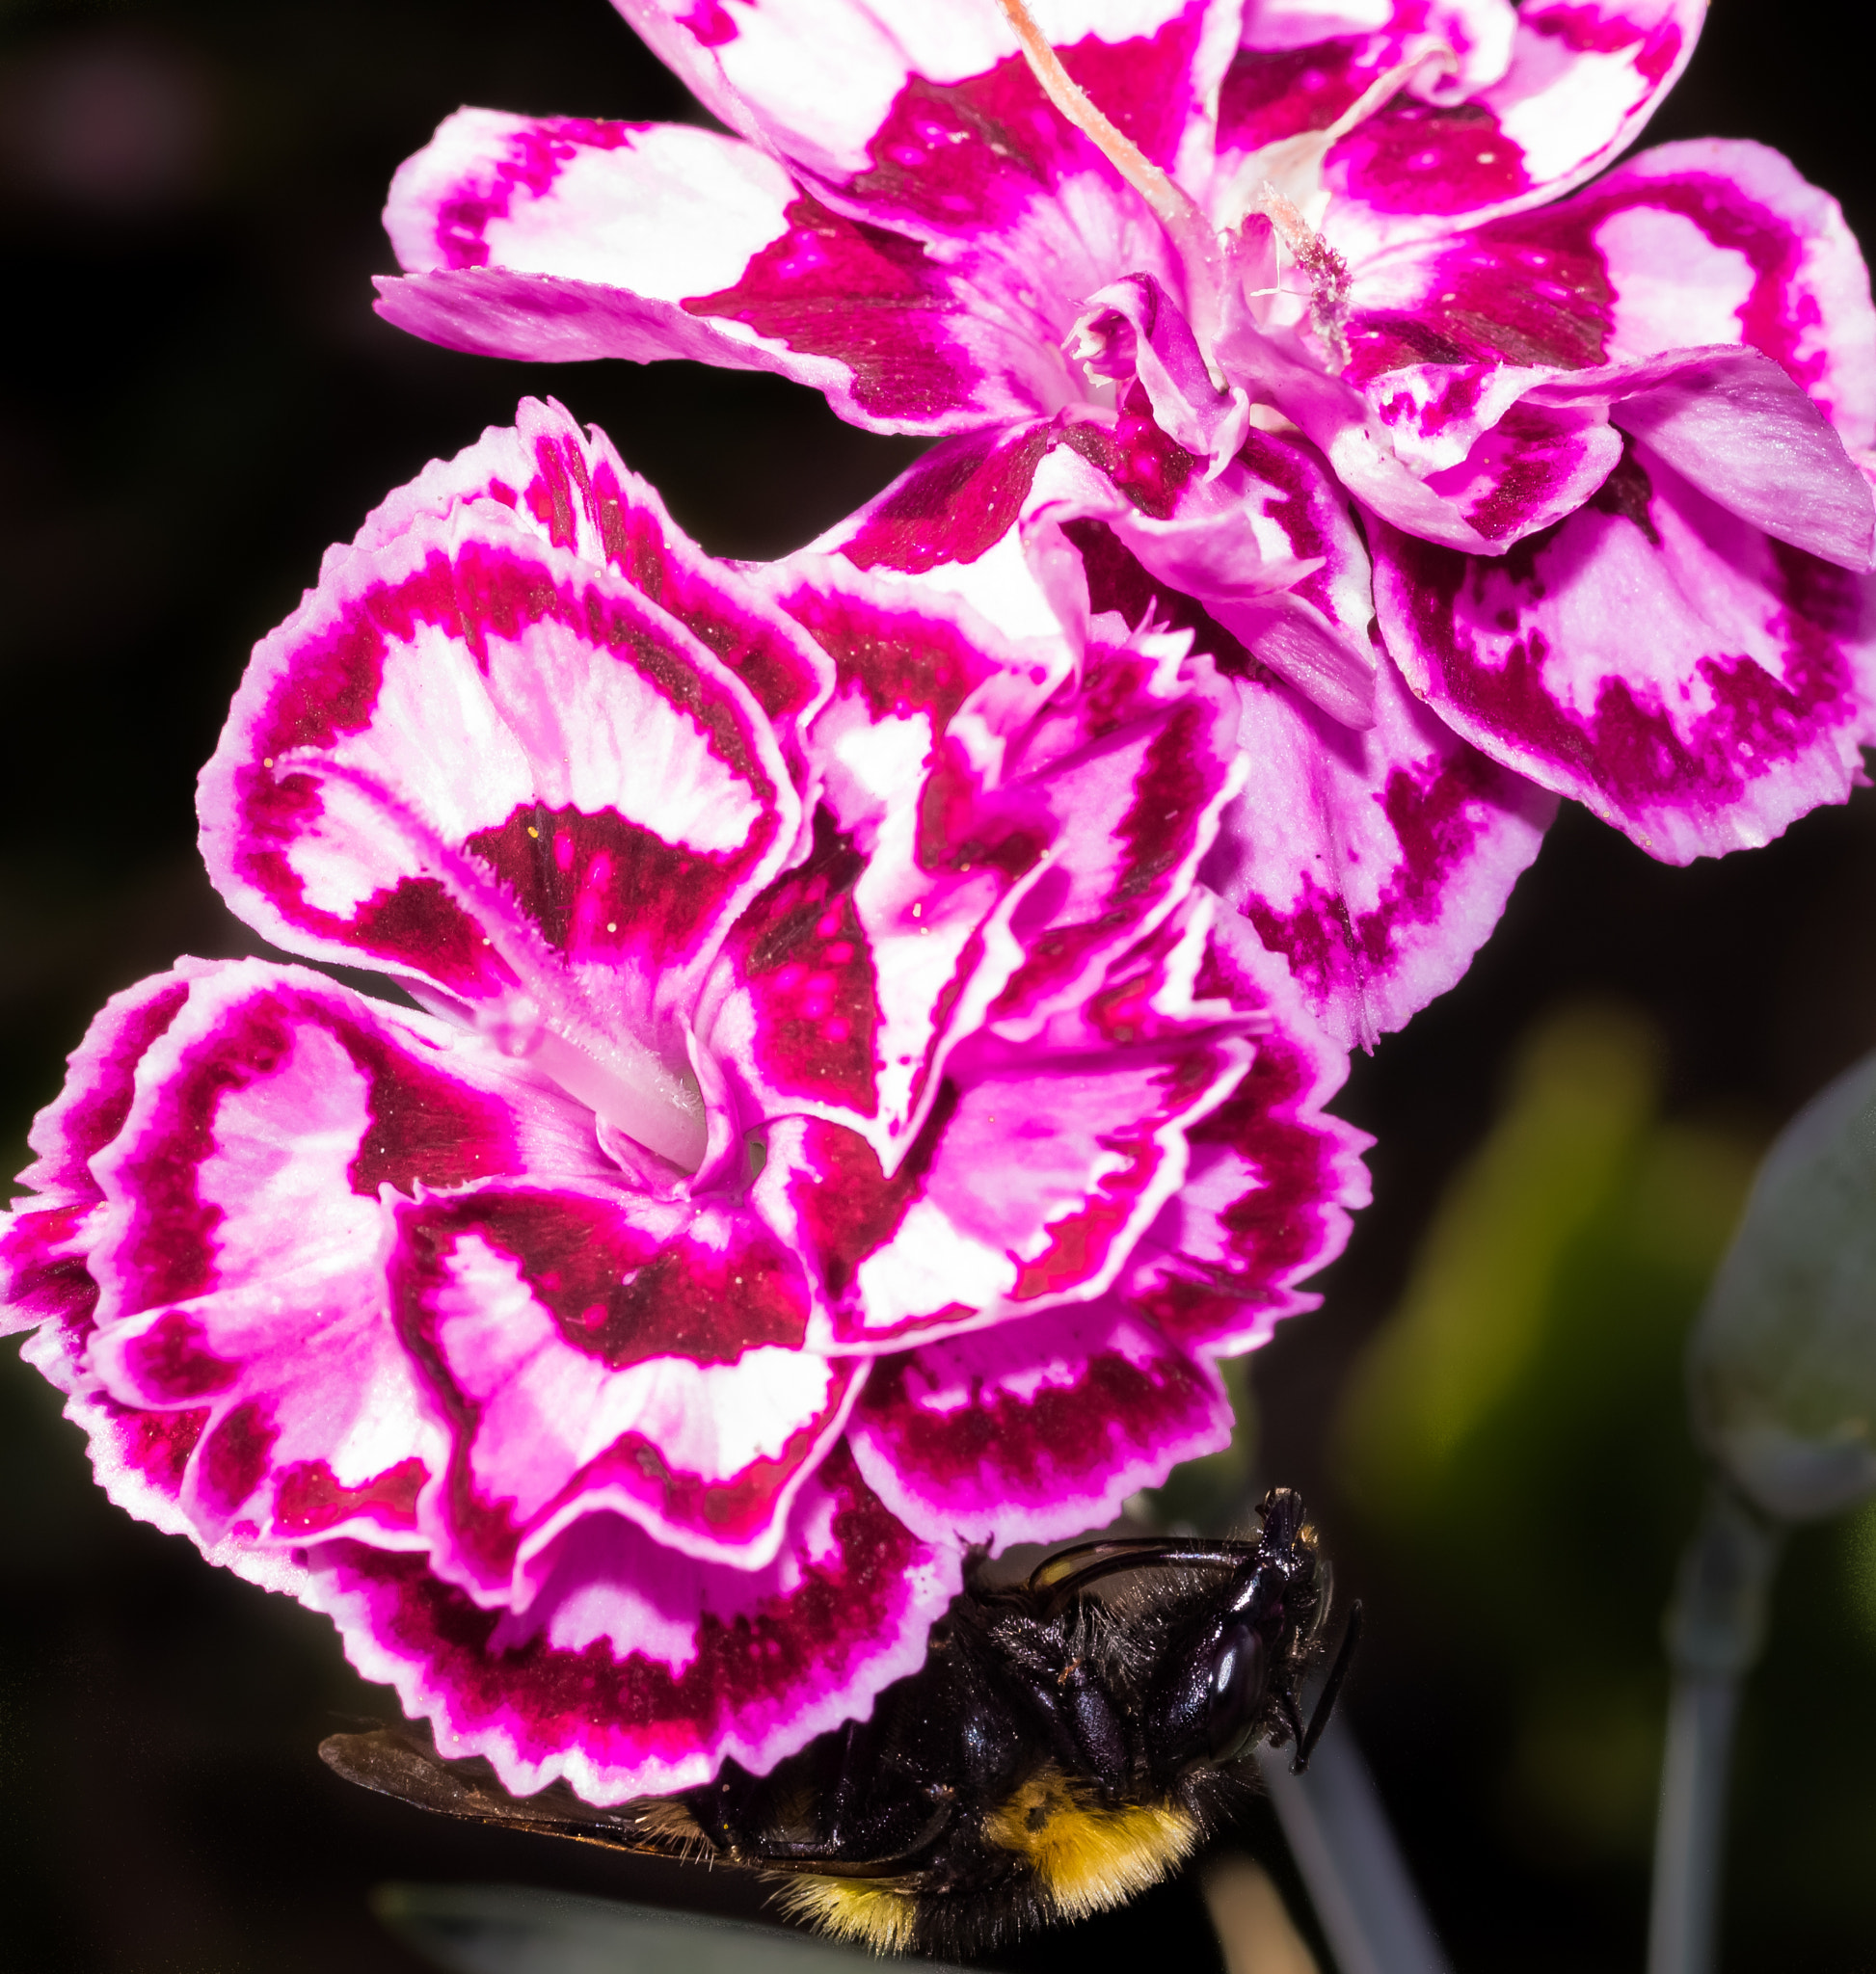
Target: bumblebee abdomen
(870, 1912)
(1083, 1855)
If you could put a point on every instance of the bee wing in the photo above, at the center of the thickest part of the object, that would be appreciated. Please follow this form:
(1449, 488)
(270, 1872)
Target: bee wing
(395, 1762)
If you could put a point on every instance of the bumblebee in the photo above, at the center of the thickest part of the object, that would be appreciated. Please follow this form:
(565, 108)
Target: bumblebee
(1057, 1751)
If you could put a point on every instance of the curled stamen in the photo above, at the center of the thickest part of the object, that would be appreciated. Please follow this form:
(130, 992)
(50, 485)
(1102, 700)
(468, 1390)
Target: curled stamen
(1328, 271)
(1190, 232)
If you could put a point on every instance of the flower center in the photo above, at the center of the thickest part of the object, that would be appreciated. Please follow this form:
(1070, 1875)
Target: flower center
(616, 1077)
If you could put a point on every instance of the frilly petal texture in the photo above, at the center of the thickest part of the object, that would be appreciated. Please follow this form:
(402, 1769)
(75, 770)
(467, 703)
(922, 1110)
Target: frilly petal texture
(1404, 318)
(819, 998)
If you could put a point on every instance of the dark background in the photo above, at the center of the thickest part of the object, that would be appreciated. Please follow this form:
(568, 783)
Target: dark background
(195, 399)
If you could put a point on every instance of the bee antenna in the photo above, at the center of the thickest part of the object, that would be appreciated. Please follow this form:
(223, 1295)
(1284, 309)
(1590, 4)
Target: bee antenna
(1331, 1688)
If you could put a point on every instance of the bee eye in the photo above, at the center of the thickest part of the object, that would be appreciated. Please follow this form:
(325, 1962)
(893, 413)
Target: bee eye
(1236, 1693)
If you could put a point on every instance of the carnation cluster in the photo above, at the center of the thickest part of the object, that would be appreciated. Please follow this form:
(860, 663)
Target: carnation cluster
(858, 1030)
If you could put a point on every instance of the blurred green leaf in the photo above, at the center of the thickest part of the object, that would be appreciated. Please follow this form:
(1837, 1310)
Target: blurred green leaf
(1784, 1360)
(514, 1930)
(1516, 1432)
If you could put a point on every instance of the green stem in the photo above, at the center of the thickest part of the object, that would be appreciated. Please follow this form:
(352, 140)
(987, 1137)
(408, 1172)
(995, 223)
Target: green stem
(1715, 1629)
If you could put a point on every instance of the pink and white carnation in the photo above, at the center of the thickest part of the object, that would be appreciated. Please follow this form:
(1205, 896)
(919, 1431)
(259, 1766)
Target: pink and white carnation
(835, 1127)
(1300, 322)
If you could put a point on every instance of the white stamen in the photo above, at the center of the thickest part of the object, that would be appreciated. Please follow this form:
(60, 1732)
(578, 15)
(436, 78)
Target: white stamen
(1190, 232)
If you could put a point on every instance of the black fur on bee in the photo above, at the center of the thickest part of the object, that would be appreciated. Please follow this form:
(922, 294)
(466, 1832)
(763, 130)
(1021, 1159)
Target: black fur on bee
(1060, 1749)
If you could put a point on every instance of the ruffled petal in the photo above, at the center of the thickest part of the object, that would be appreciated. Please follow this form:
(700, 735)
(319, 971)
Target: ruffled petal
(498, 771)
(1274, 1178)
(1377, 864)
(962, 1232)
(568, 483)
(559, 239)
(1688, 245)
(45, 1242)
(1035, 1429)
(1448, 149)
(239, 1255)
(1740, 710)
(597, 1352)
(639, 1670)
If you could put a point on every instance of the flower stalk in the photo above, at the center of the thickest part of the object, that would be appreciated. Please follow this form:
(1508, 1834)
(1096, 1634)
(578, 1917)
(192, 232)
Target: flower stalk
(1715, 1631)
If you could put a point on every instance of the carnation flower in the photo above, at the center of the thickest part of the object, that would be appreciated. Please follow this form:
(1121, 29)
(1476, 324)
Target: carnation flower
(836, 1126)
(1291, 313)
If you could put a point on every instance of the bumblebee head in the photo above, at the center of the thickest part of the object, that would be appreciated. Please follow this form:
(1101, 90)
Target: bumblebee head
(1228, 1672)
(1236, 1645)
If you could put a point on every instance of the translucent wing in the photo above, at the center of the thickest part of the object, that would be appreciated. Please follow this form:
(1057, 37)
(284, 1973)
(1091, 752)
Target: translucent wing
(396, 1761)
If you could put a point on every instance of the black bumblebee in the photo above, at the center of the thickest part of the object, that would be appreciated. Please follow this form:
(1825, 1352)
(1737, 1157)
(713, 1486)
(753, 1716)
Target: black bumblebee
(1056, 1752)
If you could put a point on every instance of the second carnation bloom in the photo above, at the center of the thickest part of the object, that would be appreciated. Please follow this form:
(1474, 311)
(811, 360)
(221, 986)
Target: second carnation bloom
(837, 1127)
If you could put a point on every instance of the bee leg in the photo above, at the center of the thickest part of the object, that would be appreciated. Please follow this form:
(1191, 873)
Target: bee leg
(1332, 1687)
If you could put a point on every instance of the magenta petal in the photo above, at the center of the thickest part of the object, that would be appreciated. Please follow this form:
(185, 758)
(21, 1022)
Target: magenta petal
(559, 239)
(1035, 1429)
(637, 1670)
(1274, 1178)
(44, 1243)
(964, 1228)
(910, 74)
(1684, 246)
(239, 1253)
(599, 1352)
(568, 483)
(478, 762)
(1132, 328)
(1377, 864)
(1741, 710)
(1584, 76)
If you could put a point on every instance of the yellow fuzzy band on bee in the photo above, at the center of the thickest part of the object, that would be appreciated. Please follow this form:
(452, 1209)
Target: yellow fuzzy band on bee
(1087, 1857)
(868, 1911)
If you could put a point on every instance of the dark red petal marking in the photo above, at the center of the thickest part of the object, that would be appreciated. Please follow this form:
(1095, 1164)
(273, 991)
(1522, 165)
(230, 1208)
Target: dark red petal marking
(1117, 581)
(173, 1362)
(617, 1292)
(590, 882)
(234, 1456)
(1013, 1451)
(310, 1498)
(971, 157)
(956, 503)
(1630, 747)
(90, 1110)
(42, 1269)
(330, 684)
(844, 1204)
(1081, 1244)
(1272, 93)
(904, 662)
(623, 1295)
(157, 1445)
(802, 957)
(1147, 467)
(868, 298)
(1413, 157)
(1535, 288)
(1439, 820)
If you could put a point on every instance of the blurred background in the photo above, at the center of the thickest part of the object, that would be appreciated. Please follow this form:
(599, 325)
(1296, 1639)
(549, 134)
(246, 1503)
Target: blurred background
(195, 399)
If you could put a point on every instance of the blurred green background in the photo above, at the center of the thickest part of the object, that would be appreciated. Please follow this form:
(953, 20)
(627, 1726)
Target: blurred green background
(1487, 1414)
